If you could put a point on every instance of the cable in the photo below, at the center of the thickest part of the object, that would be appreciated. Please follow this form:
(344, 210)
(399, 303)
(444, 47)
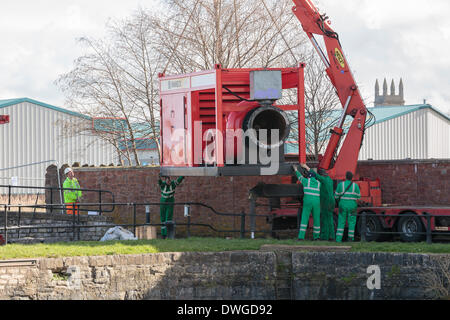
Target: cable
(181, 35)
(370, 119)
(236, 95)
(328, 33)
(279, 31)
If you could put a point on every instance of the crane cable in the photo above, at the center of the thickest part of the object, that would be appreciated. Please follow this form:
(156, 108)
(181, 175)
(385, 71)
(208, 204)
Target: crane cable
(181, 35)
(328, 33)
(279, 31)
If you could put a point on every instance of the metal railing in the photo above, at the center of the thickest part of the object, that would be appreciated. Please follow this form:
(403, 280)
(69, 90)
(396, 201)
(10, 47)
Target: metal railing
(52, 190)
(146, 211)
(136, 222)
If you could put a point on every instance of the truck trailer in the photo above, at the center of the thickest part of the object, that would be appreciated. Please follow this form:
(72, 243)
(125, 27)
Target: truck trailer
(229, 122)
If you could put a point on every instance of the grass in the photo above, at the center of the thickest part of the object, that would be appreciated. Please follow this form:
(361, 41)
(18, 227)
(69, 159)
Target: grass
(16, 251)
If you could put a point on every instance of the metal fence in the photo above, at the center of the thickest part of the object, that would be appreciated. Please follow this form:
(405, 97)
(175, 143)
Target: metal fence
(193, 214)
(148, 220)
(100, 206)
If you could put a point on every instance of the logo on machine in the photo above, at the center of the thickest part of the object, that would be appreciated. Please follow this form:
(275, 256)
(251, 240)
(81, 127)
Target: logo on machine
(175, 84)
(340, 57)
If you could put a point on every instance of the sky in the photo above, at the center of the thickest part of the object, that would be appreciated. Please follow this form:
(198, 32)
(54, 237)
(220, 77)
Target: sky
(392, 39)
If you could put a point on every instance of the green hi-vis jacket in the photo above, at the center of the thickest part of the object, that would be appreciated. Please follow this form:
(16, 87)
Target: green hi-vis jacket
(353, 193)
(326, 188)
(168, 190)
(311, 187)
(71, 196)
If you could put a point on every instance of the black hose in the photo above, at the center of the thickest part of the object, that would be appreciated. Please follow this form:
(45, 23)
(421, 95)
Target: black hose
(236, 95)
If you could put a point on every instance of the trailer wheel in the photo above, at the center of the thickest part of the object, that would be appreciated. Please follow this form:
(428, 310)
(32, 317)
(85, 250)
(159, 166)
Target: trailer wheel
(373, 227)
(284, 227)
(410, 228)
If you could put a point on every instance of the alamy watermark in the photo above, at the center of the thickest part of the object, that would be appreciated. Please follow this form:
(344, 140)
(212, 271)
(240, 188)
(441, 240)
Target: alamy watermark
(254, 147)
(374, 280)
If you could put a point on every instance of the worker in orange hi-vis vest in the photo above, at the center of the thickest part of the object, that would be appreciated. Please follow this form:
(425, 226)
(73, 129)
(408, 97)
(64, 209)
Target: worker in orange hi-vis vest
(72, 192)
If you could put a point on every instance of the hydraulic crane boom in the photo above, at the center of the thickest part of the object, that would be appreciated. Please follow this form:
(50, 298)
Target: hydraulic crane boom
(341, 77)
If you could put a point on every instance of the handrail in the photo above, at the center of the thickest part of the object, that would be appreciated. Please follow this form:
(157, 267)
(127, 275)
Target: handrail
(100, 204)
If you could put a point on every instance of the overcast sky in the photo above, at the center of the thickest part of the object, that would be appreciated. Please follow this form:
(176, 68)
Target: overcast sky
(381, 39)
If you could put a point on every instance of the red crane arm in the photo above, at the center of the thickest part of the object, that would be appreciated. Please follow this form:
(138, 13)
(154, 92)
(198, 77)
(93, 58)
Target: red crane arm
(341, 77)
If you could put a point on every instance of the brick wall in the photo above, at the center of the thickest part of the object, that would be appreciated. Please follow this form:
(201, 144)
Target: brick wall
(412, 182)
(402, 182)
(140, 185)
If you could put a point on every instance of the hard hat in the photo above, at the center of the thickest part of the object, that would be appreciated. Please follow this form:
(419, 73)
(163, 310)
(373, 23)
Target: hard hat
(68, 170)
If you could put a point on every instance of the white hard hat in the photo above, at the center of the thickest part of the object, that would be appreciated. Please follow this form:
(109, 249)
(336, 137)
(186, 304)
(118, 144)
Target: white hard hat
(68, 170)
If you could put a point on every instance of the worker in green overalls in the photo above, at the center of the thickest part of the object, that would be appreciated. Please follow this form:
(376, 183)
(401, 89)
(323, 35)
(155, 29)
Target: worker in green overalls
(167, 199)
(327, 203)
(347, 193)
(311, 203)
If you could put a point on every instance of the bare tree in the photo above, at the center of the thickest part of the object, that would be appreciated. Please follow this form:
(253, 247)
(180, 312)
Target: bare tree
(198, 34)
(437, 282)
(118, 76)
(321, 103)
(117, 80)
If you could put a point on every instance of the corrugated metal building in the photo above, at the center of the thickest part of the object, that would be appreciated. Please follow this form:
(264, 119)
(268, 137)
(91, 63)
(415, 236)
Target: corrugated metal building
(401, 132)
(42, 134)
(146, 147)
(407, 132)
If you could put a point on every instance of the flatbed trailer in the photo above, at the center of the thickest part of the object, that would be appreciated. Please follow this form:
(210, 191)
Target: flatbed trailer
(410, 223)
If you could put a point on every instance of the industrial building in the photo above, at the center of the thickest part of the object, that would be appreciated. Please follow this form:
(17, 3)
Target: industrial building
(402, 132)
(39, 135)
(407, 132)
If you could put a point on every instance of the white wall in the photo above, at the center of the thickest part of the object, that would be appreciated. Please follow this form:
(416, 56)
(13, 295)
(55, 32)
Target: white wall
(438, 136)
(35, 134)
(422, 134)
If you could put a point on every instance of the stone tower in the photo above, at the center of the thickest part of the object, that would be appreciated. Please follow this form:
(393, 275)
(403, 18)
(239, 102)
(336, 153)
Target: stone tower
(389, 99)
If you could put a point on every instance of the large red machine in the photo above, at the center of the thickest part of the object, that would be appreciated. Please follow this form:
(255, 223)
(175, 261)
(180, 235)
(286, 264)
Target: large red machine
(226, 121)
(202, 113)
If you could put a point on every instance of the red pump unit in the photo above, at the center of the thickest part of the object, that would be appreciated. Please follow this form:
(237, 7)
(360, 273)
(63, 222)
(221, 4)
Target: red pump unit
(212, 121)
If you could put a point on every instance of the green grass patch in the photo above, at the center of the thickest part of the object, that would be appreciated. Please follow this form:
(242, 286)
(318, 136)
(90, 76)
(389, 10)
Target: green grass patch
(68, 249)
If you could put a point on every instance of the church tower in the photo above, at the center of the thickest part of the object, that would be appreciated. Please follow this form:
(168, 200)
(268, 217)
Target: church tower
(387, 99)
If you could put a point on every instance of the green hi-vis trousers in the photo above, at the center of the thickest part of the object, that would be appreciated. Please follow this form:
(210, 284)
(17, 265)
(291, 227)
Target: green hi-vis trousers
(327, 231)
(166, 213)
(310, 204)
(347, 210)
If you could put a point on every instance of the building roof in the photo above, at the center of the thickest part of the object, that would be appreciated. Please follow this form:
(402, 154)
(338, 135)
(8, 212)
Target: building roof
(11, 102)
(386, 113)
(381, 113)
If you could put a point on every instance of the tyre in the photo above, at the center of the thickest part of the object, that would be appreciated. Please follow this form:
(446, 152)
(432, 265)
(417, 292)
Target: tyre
(284, 228)
(373, 227)
(410, 228)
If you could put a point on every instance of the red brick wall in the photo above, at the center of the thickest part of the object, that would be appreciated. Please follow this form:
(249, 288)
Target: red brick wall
(139, 185)
(411, 182)
(402, 182)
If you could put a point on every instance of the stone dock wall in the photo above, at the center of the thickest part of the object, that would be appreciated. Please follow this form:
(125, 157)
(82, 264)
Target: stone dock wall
(249, 275)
